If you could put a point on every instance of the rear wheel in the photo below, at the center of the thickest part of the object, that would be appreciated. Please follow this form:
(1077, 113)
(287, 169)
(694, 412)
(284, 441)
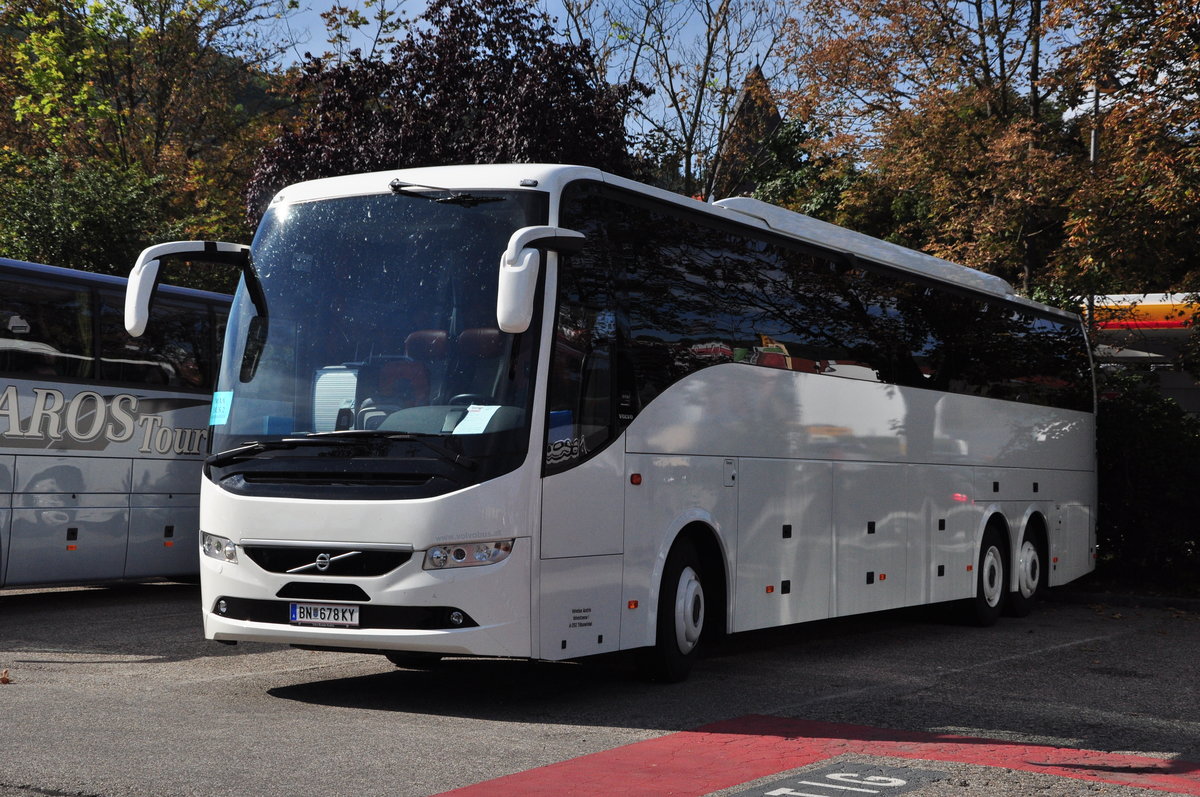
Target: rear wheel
(681, 614)
(991, 584)
(1031, 577)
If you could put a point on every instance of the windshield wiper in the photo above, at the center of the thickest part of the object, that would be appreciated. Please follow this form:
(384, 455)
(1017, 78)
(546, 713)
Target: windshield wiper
(258, 446)
(345, 436)
(424, 439)
(462, 198)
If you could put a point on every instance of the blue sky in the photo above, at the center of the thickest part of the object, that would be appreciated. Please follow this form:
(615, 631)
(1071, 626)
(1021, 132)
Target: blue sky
(307, 27)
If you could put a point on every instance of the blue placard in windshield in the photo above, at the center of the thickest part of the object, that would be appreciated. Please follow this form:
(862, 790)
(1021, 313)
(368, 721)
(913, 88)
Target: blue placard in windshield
(221, 402)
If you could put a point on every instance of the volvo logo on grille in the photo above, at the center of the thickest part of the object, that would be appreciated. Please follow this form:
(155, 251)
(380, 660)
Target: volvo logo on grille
(324, 561)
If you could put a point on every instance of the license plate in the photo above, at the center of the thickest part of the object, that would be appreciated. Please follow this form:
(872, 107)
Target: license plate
(324, 614)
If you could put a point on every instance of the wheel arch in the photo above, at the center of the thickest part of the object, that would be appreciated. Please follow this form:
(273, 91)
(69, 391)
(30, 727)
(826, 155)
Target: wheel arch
(993, 518)
(1036, 524)
(715, 564)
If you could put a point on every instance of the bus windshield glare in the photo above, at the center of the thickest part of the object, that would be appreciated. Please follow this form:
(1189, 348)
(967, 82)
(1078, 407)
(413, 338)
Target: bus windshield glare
(374, 318)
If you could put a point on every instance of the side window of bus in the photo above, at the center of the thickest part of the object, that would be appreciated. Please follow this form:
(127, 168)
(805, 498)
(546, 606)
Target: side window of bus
(580, 398)
(45, 330)
(175, 351)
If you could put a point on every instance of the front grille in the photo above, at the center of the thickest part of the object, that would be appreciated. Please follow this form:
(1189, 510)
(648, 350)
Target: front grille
(318, 591)
(423, 618)
(338, 561)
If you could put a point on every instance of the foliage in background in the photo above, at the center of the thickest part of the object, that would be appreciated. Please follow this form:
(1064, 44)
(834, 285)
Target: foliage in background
(1149, 466)
(973, 125)
(473, 81)
(94, 216)
(122, 123)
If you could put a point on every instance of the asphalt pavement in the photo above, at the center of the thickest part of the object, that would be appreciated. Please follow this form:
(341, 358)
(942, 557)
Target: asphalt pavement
(114, 692)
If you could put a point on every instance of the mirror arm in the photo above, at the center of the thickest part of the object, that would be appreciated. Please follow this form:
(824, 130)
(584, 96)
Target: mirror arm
(519, 266)
(558, 239)
(143, 279)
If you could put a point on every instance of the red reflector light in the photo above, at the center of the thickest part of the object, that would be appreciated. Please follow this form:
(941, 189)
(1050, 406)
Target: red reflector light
(770, 588)
(167, 543)
(72, 547)
(633, 604)
(883, 576)
(635, 479)
(961, 498)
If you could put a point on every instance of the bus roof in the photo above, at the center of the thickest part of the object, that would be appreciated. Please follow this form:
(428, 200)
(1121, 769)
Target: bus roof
(95, 278)
(743, 210)
(831, 236)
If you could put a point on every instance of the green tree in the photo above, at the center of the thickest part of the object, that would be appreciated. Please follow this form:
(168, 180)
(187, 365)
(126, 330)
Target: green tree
(93, 216)
(172, 91)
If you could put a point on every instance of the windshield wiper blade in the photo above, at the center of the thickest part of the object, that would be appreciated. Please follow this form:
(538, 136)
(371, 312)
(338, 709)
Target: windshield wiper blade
(247, 450)
(462, 198)
(467, 200)
(258, 446)
(426, 440)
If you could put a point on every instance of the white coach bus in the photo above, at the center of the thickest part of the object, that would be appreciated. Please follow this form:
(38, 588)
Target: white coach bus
(542, 411)
(102, 435)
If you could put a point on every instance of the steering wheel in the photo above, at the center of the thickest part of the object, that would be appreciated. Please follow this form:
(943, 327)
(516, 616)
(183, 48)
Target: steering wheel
(472, 398)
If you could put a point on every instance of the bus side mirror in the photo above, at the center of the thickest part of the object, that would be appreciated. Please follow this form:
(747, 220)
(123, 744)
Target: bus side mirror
(143, 279)
(519, 272)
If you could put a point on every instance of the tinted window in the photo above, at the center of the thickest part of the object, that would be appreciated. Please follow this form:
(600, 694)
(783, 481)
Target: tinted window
(45, 330)
(176, 350)
(698, 292)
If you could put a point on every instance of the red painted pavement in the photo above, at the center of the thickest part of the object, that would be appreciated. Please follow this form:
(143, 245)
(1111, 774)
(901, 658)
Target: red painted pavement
(730, 753)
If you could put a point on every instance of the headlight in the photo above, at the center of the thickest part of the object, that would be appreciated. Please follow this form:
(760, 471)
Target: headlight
(467, 554)
(218, 547)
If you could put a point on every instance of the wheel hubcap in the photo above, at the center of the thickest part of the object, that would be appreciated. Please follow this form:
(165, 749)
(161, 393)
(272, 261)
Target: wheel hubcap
(1029, 569)
(689, 610)
(993, 576)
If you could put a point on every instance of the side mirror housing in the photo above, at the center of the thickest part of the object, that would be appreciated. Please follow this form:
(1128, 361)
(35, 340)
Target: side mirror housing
(519, 267)
(143, 279)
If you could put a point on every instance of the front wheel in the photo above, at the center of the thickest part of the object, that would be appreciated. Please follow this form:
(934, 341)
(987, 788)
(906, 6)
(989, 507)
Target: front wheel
(680, 621)
(991, 584)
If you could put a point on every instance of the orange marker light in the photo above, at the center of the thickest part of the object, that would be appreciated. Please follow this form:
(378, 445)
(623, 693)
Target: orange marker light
(770, 588)
(883, 576)
(167, 543)
(633, 604)
(72, 547)
(970, 568)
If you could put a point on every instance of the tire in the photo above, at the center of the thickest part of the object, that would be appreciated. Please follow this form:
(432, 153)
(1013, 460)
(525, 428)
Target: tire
(991, 579)
(1031, 577)
(413, 660)
(680, 621)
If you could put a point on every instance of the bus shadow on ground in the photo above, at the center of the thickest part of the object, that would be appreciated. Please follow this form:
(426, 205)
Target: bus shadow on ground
(606, 690)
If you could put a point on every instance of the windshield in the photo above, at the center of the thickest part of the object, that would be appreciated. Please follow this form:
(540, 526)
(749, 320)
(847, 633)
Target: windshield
(378, 314)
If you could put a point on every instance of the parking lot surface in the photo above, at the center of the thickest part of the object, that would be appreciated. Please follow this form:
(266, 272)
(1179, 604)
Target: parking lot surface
(113, 691)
